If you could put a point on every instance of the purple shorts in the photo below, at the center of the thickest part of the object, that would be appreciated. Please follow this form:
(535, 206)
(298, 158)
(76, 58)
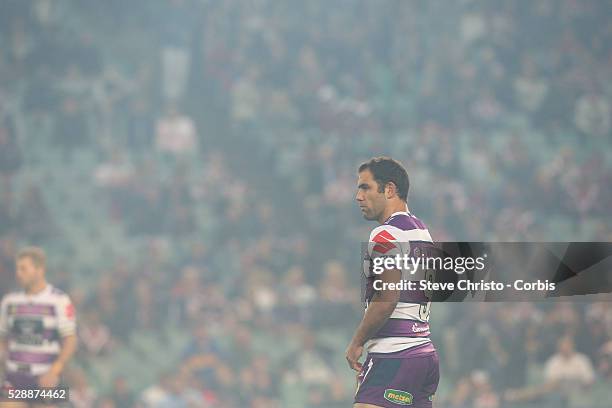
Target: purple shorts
(396, 382)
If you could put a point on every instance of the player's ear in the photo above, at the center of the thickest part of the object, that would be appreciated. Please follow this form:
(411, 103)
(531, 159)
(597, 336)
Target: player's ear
(390, 190)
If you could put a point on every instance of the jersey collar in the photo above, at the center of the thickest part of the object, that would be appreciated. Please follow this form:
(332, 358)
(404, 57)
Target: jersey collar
(396, 213)
(45, 291)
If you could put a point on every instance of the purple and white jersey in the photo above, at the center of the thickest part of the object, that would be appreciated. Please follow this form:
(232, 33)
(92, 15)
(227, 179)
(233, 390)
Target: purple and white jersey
(407, 329)
(33, 326)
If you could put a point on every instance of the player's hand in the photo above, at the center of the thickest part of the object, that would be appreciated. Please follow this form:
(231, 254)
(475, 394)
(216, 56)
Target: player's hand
(353, 354)
(49, 379)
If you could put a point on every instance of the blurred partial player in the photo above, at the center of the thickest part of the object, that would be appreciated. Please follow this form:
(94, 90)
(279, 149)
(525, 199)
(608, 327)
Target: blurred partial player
(37, 328)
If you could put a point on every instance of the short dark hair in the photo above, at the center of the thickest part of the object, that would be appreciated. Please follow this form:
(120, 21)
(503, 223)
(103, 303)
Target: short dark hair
(35, 254)
(387, 170)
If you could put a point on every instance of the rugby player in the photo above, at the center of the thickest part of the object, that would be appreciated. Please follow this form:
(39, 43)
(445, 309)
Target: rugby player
(37, 329)
(401, 366)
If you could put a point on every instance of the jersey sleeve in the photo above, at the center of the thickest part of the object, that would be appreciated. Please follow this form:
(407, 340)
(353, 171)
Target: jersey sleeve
(4, 317)
(385, 242)
(66, 324)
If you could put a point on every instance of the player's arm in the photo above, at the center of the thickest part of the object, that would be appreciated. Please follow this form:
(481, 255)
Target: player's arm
(3, 334)
(69, 346)
(3, 331)
(67, 329)
(3, 352)
(378, 312)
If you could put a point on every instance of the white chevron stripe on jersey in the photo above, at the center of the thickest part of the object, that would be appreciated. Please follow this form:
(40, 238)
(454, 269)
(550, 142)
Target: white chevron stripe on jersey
(403, 235)
(394, 344)
(408, 311)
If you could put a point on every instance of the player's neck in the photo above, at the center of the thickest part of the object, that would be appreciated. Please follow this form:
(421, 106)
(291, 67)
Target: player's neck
(392, 209)
(37, 288)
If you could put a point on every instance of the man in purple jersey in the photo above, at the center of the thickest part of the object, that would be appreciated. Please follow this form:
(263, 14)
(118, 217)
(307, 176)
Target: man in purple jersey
(401, 367)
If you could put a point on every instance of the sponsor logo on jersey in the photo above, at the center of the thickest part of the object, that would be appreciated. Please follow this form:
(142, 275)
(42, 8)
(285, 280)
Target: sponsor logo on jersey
(398, 397)
(383, 242)
(417, 329)
(70, 311)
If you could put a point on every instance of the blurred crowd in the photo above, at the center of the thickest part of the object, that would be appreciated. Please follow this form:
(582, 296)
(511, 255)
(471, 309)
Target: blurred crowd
(189, 166)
